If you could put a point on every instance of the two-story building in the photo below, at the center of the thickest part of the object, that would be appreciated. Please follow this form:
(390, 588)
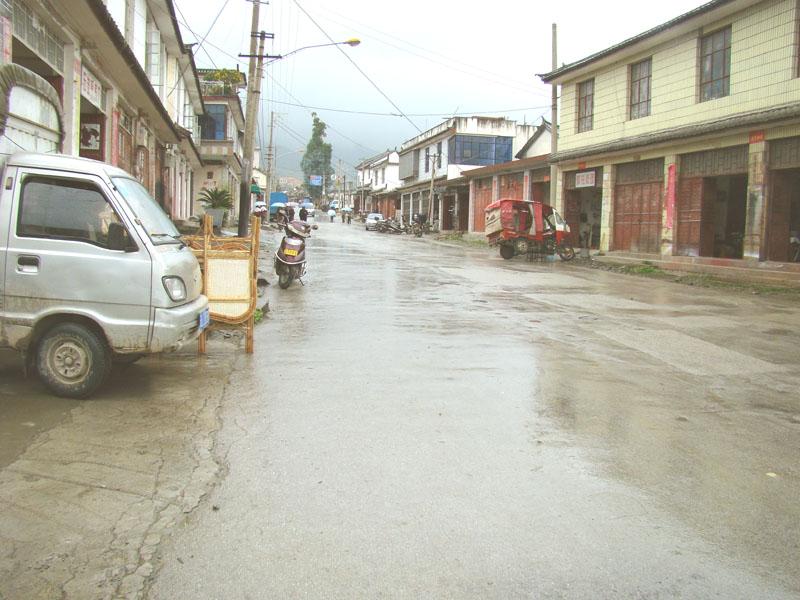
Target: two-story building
(125, 84)
(378, 178)
(527, 177)
(684, 141)
(221, 132)
(438, 157)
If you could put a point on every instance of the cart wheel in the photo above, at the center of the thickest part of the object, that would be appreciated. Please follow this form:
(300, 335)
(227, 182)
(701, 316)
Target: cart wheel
(566, 251)
(507, 251)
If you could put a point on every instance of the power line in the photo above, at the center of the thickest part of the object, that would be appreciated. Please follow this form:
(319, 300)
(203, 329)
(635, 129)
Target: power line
(199, 44)
(348, 57)
(426, 53)
(384, 114)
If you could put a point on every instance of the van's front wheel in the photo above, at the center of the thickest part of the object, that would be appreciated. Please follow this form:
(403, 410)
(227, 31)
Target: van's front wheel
(72, 360)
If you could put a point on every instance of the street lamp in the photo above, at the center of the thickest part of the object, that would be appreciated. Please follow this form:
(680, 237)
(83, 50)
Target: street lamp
(350, 42)
(254, 87)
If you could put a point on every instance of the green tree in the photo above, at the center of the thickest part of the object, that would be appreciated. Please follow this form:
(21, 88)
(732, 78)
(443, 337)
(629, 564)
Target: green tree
(317, 159)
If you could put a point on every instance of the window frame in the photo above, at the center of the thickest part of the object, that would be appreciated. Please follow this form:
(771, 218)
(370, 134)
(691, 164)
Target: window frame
(585, 120)
(726, 56)
(76, 183)
(636, 80)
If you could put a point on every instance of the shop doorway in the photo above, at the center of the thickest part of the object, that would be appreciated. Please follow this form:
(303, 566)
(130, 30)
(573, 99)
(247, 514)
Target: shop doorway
(583, 212)
(463, 212)
(711, 216)
(449, 208)
(730, 214)
(783, 225)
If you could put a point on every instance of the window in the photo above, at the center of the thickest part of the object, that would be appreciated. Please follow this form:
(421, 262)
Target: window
(212, 125)
(715, 65)
(439, 155)
(586, 105)
(479, 150)
(427, 159)
(640, 88)
(64, 209)
(153, 55)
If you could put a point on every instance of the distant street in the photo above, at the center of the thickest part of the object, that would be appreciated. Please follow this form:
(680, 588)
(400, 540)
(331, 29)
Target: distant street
(425, 420)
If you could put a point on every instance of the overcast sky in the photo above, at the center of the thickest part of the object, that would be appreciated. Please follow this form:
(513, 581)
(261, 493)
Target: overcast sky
(431, 59)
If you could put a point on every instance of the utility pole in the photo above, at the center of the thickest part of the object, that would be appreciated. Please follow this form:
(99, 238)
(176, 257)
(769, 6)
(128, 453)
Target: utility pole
(554, 128)
(249, 127)
(270, 153)
(430, 195)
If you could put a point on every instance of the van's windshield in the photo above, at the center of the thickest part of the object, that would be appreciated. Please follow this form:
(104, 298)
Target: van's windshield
(154, 220)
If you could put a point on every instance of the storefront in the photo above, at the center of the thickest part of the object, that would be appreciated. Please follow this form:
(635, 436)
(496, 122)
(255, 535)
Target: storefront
(583, 205)
(31, 117)
(783, 214)
(93, 119)
(711, 203)
(637, 210)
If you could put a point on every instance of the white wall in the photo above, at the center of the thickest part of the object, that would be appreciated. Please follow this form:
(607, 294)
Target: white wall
(116, 8)
(140, 31)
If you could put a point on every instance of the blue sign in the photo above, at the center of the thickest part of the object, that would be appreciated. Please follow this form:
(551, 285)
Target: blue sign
(315, 180)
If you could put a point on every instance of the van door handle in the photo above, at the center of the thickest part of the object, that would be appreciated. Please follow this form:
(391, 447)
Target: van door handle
(27, 263)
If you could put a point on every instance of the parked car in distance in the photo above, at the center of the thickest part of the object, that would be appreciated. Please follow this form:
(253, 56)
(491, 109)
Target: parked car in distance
(372, 220)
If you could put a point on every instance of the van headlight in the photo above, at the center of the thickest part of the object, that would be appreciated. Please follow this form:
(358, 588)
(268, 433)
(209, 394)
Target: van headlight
(175, 287)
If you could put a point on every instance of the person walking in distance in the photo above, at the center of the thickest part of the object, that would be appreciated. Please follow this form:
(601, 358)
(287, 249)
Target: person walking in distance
(331, 214)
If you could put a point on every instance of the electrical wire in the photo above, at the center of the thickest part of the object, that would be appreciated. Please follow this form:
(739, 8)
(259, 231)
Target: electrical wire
(199, 45)
(384, 114)
(359, 69)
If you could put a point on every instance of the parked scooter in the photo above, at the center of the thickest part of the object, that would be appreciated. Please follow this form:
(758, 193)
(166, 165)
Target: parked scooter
(290, 257)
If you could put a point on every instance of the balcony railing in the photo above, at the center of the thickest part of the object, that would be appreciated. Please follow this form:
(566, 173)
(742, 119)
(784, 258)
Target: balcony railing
(217, 88)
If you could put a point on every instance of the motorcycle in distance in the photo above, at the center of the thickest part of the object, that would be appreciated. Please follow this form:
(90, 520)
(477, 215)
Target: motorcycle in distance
(418, 224)
(290, 257)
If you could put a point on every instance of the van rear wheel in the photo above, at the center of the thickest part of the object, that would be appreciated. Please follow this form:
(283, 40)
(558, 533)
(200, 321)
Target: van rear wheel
(72, 360)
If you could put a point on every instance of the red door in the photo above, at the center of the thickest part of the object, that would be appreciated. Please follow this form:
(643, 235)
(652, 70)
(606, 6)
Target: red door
(689, 216)
(483, 198)
(779, 220)
(637, 217)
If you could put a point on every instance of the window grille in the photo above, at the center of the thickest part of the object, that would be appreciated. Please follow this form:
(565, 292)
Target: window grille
(715, 65)
(586, 105)
(640, 88)
(37, 36)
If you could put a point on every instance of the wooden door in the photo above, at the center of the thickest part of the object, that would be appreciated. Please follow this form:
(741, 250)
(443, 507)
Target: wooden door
(779, 216)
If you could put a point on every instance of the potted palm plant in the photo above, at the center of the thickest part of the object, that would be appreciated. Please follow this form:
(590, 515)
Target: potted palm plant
(217, 201)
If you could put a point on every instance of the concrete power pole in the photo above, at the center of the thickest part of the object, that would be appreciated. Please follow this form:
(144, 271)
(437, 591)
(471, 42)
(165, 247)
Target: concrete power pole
(554, 128)
(270, 154)
(254, 71)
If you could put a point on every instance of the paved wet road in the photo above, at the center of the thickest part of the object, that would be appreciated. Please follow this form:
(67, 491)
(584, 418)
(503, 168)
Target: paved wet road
(429, 421)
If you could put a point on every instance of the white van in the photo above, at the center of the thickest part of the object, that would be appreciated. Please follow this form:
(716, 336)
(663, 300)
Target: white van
(92, 271)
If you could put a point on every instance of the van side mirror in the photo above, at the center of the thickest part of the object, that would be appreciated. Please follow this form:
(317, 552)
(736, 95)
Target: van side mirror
(118, 238)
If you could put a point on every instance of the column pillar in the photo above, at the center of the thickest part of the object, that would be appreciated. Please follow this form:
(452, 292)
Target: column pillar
(471, 220)
(607, 212)
(495, 188)
(668, 204)
(757, 202)
(72, 99)
(526, 185)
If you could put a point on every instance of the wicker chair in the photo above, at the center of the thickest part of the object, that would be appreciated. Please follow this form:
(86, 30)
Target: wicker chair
(230, 269)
